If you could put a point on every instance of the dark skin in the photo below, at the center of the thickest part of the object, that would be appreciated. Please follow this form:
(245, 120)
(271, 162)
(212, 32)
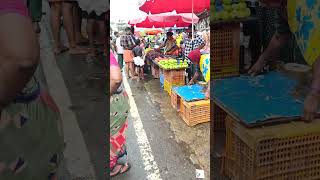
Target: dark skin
(312, 101)
(19, 56)
(170, 38)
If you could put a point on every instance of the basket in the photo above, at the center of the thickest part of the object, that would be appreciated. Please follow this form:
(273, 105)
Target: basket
(225, 50)
(168, 86)
(285, 151)
(175, 100)
(175, 76)
(196, 112)
(218, 118)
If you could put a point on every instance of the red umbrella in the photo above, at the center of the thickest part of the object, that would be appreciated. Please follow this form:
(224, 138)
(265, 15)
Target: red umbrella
(165, 20)
(180, 6)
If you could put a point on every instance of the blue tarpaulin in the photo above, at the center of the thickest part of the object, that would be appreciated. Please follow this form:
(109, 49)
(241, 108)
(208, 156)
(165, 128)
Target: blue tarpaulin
(190, 93)
(260, 98)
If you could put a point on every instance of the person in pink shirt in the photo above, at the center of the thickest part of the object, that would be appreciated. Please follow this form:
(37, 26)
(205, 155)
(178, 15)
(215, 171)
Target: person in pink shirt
(119, 111)
(31, 136)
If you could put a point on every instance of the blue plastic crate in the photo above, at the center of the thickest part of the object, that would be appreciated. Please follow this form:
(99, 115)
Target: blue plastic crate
(161, 79)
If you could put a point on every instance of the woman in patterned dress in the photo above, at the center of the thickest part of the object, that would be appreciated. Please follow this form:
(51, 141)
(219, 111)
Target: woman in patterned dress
(302, 19)
(119, 110)
(30, 132)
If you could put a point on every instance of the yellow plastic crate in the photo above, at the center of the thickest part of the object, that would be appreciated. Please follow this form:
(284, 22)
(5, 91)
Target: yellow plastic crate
(168, 86)
(283, 151)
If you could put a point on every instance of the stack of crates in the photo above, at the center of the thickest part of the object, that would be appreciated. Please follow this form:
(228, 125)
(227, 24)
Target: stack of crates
(155, 71)
(218, 117)
(173, 78)
(161, 81)
(225, 50)
(284, 151)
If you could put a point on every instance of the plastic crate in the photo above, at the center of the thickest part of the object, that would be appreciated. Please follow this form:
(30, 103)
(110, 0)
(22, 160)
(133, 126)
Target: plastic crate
(155, 71)
(175, 100)
(196, 112)
(174, 76)
(218, 117)
(220, 72)
(284, 151)
(225, 50)
(168, 86)
(161, 77)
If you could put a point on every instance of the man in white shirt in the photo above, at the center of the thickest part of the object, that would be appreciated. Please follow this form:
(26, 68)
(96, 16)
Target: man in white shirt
(119, 50)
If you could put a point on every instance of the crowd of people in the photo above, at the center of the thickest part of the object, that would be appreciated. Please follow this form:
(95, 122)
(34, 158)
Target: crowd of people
(131, 53)
(134, 51)
(69, 14)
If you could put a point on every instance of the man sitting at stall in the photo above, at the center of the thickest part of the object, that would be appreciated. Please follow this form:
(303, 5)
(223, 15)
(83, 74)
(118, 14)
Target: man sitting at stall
(300, 18)
(203, 64)
(170, 46)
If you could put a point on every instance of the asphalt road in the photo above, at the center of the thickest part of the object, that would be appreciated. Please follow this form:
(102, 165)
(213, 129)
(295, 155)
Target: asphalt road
(86, 85)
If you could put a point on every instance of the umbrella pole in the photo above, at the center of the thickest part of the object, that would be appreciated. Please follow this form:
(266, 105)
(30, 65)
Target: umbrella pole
(192, 21)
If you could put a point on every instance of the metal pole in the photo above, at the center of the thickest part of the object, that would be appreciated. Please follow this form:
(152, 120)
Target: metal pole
(192, 21)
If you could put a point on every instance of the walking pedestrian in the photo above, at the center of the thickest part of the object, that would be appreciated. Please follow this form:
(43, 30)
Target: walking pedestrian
(127, 42)
(96, 18)
(64, 8)
(138, 58)
(119, 50)
(119, 110)
(31, 136)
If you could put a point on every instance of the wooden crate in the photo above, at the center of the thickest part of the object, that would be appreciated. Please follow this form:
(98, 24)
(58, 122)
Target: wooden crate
(283, 151)
(175, 100)
(195, 112)
(225, 50)
(175, 76)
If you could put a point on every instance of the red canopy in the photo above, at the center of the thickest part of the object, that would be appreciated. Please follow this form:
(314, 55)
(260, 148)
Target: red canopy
(180, 6)
(165, 20)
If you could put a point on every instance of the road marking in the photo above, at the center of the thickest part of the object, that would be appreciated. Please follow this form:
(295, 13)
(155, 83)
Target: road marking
(150, 165)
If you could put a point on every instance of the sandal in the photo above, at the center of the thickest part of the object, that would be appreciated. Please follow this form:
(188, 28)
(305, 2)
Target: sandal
(123, 169)
(60, 50)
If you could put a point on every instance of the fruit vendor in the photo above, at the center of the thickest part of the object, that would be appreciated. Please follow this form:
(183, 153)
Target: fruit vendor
(202, 61)
(302, 19)
(191, 44)
(170, 46)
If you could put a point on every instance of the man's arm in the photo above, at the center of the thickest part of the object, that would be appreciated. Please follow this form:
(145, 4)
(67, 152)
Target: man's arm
(278, 40)
(312, 101)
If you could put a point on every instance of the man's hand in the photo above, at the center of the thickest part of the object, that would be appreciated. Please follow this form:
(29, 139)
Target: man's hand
(207, 94)
(190, 82)
(311, 106)
(257, 67)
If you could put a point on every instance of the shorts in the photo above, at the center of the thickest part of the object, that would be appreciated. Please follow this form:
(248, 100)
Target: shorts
(128, 56)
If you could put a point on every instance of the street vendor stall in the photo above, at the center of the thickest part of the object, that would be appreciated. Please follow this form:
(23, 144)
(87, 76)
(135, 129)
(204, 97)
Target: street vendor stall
(263, 118)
